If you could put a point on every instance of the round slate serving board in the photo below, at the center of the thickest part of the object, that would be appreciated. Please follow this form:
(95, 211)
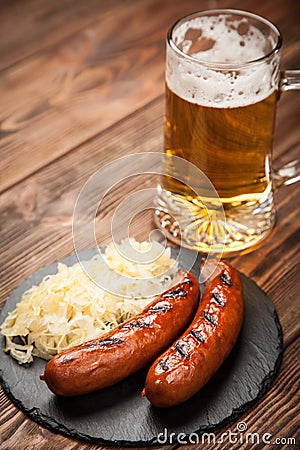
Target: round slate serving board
(119, 415)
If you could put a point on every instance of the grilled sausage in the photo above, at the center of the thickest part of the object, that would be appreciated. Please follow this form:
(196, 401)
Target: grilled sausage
(102, 362)
(184, 368)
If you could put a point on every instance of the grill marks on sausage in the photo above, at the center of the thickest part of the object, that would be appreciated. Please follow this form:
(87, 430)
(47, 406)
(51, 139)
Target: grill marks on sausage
(197, 336)
(217, 299)
(66, 360)
(163, 365)
(175, 293)
(209, 318)
(225, 279)
(159, 308)
(105, 342)
(182, 350)
(136, 324)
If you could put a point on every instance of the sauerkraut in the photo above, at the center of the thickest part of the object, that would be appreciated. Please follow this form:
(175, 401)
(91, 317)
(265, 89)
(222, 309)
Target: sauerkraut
(71, 307)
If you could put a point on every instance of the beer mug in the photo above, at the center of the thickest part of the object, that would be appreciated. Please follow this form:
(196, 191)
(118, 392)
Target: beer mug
(223, 80)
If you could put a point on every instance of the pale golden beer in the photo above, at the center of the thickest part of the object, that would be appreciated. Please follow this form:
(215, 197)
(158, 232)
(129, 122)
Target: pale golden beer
(231, 146)
(222, 81)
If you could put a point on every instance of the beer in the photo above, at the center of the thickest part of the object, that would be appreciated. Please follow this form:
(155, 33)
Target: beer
(232, 146)
(220, 117)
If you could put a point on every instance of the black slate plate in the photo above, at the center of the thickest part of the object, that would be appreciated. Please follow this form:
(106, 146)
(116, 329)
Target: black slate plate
(119, 415)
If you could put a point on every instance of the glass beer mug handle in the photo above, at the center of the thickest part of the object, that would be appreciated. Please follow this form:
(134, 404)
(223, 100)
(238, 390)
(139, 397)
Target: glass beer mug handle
(288, 173)
(290, 80)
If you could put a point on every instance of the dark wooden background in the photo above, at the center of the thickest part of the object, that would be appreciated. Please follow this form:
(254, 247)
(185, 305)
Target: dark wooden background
(81, 84)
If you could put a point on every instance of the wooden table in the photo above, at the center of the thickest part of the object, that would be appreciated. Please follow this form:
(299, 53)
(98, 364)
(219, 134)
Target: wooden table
(82, 83)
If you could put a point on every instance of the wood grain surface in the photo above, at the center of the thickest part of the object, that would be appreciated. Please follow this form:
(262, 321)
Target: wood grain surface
(82, 84)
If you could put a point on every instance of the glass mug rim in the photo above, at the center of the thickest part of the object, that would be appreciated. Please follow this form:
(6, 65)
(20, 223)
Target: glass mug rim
(219, 65)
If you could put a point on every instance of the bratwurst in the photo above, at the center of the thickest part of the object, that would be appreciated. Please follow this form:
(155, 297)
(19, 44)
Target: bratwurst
(192, 360)
(102, 362)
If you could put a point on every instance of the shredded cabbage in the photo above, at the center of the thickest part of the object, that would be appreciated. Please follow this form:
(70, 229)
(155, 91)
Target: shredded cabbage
(69, 307)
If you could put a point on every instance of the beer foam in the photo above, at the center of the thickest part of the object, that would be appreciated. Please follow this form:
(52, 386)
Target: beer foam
(221, 40)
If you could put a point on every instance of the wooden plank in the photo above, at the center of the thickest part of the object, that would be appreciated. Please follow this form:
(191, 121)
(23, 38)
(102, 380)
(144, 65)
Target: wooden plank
(78, 89)
(40, 24)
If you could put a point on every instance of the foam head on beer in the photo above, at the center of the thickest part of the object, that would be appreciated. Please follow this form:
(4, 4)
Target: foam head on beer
(220, 40)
